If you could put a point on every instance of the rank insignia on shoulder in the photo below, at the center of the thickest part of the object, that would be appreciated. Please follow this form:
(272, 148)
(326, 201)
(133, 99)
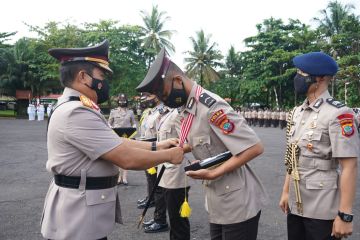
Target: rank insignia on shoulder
(87, 102)
(335, 103)
(347, 124)
(207, 100)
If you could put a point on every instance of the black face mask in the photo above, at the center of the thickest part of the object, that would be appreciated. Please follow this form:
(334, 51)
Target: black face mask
(123, 104)
(151, 103)
(101, 87)
(302, 83)
(143, 105)
(177, 97)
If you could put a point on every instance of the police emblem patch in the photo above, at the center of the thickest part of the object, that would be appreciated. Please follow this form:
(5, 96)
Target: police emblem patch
(227, 126)
(347, 124)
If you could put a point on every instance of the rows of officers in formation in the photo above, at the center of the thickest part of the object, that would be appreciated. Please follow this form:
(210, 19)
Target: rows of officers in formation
(186, 126)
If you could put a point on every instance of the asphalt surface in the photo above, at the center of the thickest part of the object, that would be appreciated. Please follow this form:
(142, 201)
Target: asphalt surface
(24, 182)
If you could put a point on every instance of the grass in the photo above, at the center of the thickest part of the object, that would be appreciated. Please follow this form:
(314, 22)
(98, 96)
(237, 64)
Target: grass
(7, 113)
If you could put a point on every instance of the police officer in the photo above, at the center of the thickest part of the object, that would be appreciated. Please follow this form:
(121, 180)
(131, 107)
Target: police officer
(282, 118)
(122, 117)
(261, 117)
(84, 153)
(173, 181)
(317, 196)
(148, 130)
(234, 195)
(267, 117)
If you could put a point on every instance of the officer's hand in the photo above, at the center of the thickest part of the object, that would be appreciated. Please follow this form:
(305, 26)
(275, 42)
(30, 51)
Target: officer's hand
(168, 143)
(205, 174)
(176, 155)
(341, 228)
(284, 202)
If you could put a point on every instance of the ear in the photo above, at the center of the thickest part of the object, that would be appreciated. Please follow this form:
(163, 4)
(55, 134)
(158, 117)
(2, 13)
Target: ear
(82, 77)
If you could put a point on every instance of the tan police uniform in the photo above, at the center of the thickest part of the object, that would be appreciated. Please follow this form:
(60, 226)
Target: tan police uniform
(324, 130)
(174, 175)
(78, 135)
(173, 180)
(235, 196)
(261, 118)
(148, 125)
(121, 118)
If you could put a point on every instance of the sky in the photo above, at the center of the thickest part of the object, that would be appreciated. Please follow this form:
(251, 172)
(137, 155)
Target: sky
(228, 22)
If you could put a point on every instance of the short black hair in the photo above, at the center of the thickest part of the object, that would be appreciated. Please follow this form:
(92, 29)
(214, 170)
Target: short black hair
(69, 70)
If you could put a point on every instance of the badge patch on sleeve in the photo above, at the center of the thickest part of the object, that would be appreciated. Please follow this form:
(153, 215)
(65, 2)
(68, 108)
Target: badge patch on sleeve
(219, 119)
(347, 124)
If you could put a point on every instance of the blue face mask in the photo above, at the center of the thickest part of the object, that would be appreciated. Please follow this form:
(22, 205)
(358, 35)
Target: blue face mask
(302, 83)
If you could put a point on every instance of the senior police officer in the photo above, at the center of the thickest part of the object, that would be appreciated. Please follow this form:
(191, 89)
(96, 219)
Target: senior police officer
(234, 194)
(84, 152)
(122, 117)
(323, 146)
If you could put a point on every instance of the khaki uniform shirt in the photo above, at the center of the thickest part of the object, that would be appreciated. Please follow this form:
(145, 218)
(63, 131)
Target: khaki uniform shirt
(260, 114)
(121, 118)
(322, 138)
(77, 137)
(267, 114)
(254, 114)
(282, 115)
(148, 125)
(235, 196)
(174, 175)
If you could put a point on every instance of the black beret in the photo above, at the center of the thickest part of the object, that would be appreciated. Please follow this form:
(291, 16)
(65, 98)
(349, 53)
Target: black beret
(97, 55)
(316, 64)
(156, 73)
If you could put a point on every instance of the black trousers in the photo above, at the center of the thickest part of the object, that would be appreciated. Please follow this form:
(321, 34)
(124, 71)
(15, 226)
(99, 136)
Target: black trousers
(301, 228)
(246, 230)
(151, 179)
(179, 226)
(160, 205)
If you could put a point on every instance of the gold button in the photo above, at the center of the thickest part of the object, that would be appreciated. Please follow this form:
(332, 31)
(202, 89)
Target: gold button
(227, 187)
(200, 140)
(321, 184)
(102, 197)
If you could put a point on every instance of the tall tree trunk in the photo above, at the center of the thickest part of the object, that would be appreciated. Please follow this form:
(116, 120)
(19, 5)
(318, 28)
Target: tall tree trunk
(276, 98)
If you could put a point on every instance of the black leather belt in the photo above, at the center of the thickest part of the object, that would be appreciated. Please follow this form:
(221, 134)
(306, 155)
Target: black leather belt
(92, 183)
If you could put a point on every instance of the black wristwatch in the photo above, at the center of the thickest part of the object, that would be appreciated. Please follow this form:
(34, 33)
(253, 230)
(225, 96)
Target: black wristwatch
(153, 146)
(345, 217)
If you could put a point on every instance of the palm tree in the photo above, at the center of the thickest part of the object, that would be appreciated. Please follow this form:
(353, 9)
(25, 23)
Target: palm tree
(203, 59)
(155, 37)
(333, 16)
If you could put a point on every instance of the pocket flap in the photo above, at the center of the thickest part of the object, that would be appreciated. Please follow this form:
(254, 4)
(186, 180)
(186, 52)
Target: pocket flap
(201, 140)
(94, 197)
(227, 185)
(329, 183)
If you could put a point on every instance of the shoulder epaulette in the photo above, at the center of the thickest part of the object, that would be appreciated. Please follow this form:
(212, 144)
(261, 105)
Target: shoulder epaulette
(207, 100)
(335, 103)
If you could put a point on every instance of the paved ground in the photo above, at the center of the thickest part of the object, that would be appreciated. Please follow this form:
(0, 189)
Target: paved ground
(24, 182)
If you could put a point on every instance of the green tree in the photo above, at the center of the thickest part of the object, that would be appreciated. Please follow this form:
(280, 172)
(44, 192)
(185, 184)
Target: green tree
(203, 59)
(155, 36)
(331, 21)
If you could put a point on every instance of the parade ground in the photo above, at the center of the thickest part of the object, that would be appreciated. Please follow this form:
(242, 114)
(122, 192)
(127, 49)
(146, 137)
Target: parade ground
(24, 182)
